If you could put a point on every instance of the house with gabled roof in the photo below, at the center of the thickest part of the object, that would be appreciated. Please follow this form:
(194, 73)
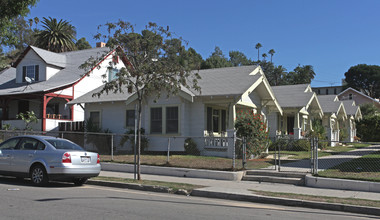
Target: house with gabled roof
(300, 105)
(334, 117)
(353, 114)
(207, 117)
(359, 97)
(44, 82)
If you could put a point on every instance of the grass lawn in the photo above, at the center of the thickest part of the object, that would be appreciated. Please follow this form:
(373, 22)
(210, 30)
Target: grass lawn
(188, 161)
(348, 201)
(174, 186)
(365, 168)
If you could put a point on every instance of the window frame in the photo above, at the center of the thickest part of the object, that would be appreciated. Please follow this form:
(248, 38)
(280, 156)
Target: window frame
(100, 117)
(222, 113)
(126, 118)
(31, 69)
(164, 130)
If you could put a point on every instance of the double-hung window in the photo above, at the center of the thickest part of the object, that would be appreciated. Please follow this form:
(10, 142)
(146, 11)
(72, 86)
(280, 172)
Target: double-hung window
(130, 119)
(95, 119)
(31, 71)
(216, 120)
(164, 120)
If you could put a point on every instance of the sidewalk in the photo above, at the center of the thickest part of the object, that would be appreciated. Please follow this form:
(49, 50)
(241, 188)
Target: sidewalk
(240, 190)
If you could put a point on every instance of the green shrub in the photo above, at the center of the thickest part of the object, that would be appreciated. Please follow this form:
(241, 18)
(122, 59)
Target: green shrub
(191, 147)
(290, 145)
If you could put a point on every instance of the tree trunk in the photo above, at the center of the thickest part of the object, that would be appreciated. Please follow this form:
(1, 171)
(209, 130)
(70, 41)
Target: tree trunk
(139, 136)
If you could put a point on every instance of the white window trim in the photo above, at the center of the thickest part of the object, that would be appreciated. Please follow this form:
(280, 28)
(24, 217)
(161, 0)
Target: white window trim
(163, 107)
(220, 118)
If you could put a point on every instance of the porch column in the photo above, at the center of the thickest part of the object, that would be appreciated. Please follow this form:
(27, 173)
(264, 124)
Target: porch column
(232, 116)
(44, 103)
(297, 129)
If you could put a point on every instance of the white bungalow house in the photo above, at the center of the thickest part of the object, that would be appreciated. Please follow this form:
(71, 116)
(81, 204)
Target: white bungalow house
(208, 118)
(334, 117)
(353, 114)
(300, 105)
(44, 82)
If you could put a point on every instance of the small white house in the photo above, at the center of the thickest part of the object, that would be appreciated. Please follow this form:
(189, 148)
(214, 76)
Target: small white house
(353, 114)
(207, 117)
(300, 106)
(44, 82)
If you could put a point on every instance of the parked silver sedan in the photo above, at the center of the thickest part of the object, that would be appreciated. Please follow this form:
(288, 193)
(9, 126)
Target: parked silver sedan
(44, 158)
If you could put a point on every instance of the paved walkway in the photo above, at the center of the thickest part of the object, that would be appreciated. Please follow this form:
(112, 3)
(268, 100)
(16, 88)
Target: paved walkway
(327, 162)
(244, 187)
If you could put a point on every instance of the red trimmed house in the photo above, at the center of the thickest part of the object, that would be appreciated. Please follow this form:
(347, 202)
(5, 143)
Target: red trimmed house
(44, 82)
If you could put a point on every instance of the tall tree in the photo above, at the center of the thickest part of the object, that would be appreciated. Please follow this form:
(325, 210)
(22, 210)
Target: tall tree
(10, 9)
(264, 55)
(153, 64)
(271, 52)
(216, 60)
(57, 36)
(258, 46)
(300, 75)
(365, 78)
(238, 58)
(82, 44)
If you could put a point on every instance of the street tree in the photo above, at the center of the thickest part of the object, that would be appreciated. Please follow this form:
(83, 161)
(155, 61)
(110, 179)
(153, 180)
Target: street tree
(57, 36)
(153, 64)
(300, 75)
(258, 46)
(364, 78)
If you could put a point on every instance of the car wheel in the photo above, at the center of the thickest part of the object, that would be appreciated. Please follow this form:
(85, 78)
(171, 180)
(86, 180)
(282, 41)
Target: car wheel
(80, 181)
(38, 175)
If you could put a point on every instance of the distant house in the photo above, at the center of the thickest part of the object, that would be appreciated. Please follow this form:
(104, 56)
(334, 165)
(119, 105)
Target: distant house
(328, 90)
(334, 117)
(207, 117)
(44, 82)
(300, 105)
(359, 97)
(353, 114)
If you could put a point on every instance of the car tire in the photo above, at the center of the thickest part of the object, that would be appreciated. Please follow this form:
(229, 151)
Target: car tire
(80, 181)
(38, 175)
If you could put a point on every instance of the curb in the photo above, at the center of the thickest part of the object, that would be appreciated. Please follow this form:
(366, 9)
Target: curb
(330, 183)
(289, 202)
(249, 198)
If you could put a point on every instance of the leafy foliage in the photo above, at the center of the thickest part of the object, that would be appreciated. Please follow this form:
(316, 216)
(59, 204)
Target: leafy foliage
(28, 117)
(252, 127)
(191, 147)
(368, 128)
(57, 36)
(216, 60)
(82, 44)
(130, 137)
(364, 78)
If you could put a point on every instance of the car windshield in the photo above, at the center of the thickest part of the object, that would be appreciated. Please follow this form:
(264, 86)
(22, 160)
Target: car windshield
(64, 144)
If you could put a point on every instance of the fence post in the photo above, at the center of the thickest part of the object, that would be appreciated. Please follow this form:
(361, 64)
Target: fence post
(279, 157)
(111, 147)
(244, 158)
(312, 155)
(168, 157)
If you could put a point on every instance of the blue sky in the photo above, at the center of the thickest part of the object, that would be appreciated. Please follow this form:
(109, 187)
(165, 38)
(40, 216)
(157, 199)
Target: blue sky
(330, 35)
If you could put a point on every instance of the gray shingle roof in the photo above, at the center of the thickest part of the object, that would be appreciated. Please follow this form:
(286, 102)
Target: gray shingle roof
(292, 95)
(68, 75)
(214, 82)
(328, 104)
(350, 107)
(56, 59)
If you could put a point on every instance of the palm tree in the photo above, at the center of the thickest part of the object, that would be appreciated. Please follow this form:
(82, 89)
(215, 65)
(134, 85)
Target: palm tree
(56, 36)
(258, 45)
(264, 55)
(271, 52)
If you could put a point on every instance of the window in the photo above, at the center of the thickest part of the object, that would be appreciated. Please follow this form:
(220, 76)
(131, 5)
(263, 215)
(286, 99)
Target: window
(9, 144)
(112, 74)
(94, 119)
(327, 91)
(216, 119)
(130, 118)
(1, 113)
(319, 91)
(30, 144)
(335, 91)
(350, 96)
(23, 106)
(171, 119)
(32, 72)
(52, 108)
(156, 120)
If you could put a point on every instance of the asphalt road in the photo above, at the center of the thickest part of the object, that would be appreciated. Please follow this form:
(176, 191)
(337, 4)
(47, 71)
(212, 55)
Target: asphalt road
(20, 200)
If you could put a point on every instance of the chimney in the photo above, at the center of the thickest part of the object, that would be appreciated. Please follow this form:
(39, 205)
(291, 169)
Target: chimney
(100, 44)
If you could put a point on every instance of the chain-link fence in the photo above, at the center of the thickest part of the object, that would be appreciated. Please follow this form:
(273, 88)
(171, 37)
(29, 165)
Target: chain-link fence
(350, 160)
